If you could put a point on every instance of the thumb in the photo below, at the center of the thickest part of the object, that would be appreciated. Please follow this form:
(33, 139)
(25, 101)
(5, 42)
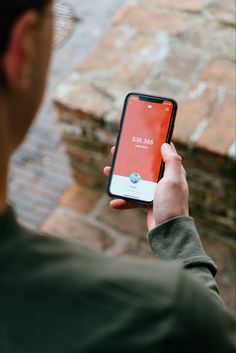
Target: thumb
(173, 161)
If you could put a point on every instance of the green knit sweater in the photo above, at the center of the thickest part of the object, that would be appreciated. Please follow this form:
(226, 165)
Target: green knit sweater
(57, 296)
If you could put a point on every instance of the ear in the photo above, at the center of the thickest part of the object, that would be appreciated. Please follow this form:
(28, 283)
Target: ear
(18, 58)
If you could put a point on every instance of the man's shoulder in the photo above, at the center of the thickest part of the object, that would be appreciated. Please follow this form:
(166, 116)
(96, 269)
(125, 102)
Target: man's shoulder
(87, 296)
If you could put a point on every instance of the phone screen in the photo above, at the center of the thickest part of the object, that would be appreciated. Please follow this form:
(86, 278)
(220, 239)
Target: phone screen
(137, 163)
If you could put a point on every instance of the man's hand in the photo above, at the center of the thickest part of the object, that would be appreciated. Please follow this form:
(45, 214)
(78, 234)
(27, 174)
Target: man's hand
(171, 196)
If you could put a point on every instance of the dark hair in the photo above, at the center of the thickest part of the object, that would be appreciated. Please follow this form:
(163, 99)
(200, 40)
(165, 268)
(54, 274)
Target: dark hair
(10, 11)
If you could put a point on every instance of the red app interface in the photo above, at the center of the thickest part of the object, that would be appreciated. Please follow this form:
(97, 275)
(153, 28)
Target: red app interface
(138, 160)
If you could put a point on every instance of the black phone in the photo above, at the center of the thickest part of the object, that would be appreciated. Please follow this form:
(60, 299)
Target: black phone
(147, 122)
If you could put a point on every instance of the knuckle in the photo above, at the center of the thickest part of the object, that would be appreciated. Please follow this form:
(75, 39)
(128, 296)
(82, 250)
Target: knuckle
(174, 184)
(178, 184)
(175, 158)
(178, 158)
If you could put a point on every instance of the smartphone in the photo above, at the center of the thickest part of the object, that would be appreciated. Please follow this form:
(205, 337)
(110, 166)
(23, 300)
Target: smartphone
(147, 122)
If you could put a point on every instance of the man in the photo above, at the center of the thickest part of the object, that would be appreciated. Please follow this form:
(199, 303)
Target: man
(60, 297)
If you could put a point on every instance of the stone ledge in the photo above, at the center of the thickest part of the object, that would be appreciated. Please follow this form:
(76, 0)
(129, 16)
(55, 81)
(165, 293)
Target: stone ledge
(175, 56)
(171, 56)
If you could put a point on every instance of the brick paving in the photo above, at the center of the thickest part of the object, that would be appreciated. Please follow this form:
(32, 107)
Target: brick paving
(43, 187)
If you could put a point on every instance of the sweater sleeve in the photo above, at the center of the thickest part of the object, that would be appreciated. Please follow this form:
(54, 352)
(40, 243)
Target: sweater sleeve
(200, 312)
(178, 239)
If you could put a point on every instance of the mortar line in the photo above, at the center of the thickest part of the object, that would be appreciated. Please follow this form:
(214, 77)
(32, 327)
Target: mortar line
(98, 224)
(207, 118)
(99, 205)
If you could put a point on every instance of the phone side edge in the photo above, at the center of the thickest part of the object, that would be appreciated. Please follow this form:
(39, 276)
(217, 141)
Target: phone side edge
(170, 133)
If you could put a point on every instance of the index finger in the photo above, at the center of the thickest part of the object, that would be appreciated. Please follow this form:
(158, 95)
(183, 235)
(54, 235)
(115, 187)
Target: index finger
(120, 204)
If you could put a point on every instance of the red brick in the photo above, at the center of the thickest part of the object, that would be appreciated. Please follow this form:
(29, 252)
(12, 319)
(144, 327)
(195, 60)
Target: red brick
(151, 21)
(86, 157)
(181, 63)
(129, 75)
(210, 37)
(87, 178)
(220, 133)
(80, 198)
(68, 226)
(224, 256)
(220, 73)
(77, 98)
(224, 11)
(197, 106)
(89, 174)
(165, 85)
(137, 62)
(129, 222)
(108, 51)
(190, 5)
(228, 293)
(221, 252)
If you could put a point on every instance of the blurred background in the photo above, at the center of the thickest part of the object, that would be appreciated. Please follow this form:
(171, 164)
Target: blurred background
(184, 50)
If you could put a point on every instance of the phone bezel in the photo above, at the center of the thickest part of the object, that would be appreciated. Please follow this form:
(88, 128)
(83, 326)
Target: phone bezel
(168, 140)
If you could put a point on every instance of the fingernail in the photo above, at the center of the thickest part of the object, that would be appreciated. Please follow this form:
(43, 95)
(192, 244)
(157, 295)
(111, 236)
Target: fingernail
(166, 147)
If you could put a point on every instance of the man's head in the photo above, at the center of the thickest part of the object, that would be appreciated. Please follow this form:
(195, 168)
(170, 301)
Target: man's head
(25, 45)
